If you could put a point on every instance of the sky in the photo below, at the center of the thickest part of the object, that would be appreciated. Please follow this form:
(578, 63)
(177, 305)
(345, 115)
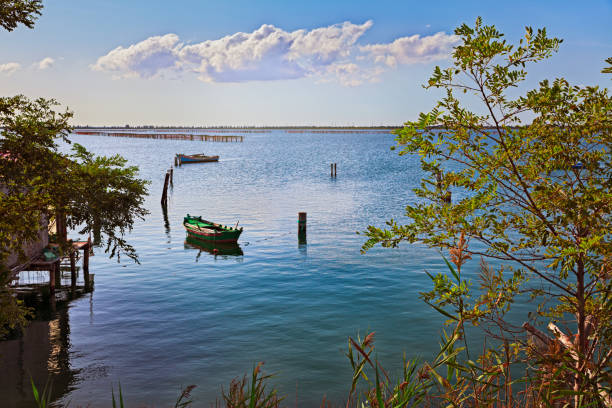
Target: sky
(274, 63)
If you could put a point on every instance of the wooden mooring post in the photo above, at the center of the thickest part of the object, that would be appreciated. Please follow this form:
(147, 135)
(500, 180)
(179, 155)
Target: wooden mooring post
(333, 169)
(302, 227)
(164, 199)
(171, 176)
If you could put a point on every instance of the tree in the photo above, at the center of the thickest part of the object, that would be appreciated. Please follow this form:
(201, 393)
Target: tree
(99, 195)
(15, 12)
(533, 197)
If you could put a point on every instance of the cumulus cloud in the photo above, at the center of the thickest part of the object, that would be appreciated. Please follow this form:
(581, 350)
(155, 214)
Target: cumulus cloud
(413, 49)
(271, 53)
(260, 55)
(45, 63)
(146, 59)
(9, 68)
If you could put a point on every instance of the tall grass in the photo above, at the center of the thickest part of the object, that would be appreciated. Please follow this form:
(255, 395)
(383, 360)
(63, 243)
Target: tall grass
(42, 399)
(244, 394)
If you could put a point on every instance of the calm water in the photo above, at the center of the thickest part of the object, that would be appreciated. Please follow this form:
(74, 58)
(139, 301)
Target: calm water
(185, 316)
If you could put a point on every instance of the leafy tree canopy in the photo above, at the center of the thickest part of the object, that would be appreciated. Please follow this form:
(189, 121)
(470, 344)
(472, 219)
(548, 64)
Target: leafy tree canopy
(99, 195)
(15, 12)
(534, 196)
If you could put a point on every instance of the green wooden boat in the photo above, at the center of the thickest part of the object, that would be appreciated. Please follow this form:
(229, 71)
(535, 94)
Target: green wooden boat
(204, 230)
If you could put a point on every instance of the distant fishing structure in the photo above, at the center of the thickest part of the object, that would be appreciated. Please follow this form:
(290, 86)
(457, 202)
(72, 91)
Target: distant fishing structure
(179, 136)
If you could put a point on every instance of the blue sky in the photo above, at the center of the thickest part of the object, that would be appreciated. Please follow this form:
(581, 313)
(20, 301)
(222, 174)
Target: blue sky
(273, 62)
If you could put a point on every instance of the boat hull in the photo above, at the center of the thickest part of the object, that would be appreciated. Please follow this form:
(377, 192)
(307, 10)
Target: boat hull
(196, 158)
(209, 231)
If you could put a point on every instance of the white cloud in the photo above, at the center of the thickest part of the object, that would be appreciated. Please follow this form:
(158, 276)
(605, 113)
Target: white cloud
(328, 44)
(351, 74)
(260, 55)
(45, 63)
(9, 68)
(413, 49)
(271, 53)
(146, 59)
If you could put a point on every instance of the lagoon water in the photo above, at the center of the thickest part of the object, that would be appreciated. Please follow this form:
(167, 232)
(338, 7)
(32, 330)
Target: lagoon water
(186, 316)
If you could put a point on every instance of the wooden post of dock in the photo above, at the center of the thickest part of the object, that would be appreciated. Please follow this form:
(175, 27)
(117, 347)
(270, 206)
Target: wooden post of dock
(175, 161)
(171, 176)
(53, 270)
(164, 199)
(58, 274)
(335, 169)
(331, 169)
(54, 277)
(72, 268)
(86, 250)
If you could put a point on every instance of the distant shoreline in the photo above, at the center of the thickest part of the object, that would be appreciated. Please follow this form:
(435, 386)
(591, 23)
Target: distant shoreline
(246, 128)
(237, 128)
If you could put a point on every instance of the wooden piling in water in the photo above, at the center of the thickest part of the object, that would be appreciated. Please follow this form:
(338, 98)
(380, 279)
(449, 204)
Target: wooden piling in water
(52, 273)
(301, 228)
(86, 250)
(302, 222)
(171, 176)
(73, 276)
(335, 169)
(164, 199)
(181, 136)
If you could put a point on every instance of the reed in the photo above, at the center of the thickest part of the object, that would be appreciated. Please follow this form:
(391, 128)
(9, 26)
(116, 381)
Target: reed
(42, 399)
(244, 394)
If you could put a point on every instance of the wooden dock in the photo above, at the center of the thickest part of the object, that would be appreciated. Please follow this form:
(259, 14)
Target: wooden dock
(53, 266)
(179, 136)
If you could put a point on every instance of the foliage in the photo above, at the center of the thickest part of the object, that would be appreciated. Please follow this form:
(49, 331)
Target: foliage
(534, 197)
(14, 12)
(101, 195)
(121, 403)
(608, 69)
(184, 399)
(253, 394)
(410, 390)
(30, 166)
(42, 399)
(13, 314)
(111, 198)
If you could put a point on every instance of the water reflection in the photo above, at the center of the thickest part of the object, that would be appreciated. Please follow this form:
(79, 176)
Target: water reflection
(166, 221)
(213, 248)
(40, 354)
